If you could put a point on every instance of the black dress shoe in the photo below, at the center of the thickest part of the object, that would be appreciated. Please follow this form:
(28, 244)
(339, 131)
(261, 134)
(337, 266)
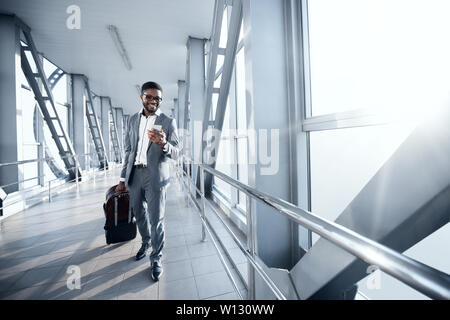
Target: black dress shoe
(157, 271)
(142, 251)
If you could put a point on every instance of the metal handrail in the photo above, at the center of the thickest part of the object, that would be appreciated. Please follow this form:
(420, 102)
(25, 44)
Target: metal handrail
(43, 159)
(76, 179)
(248, 253)
(38, 160)
(24, 162)
(273, 287)
(49, 189)
(425, 279)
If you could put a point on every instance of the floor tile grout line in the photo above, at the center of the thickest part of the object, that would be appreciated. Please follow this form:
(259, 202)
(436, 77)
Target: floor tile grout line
(195, 281)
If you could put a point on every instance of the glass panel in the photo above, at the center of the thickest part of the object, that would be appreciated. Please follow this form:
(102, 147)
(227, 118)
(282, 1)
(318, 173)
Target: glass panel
(218, 81)
(343, 161)
(26, 133)
(225, 156)
(52, 150)
(215, 98)
(31, 61)
(220, 60)
(30, 170)
(387, 56)
(241, 123)
(241, 113)
(49, 67)
(242, 168)
(60, 96)
(48, 173)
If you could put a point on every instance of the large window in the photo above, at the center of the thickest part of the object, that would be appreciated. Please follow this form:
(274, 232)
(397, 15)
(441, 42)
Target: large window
(27, 142)
(383, 57)
(31, 134)
(225, 156)
(384, 65)
(386, 56)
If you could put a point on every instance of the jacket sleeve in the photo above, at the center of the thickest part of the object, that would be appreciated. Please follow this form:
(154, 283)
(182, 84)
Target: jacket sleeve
(173, 149)
(127, 148)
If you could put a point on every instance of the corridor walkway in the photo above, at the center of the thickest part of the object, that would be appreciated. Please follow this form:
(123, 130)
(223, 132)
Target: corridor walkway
(38, 247)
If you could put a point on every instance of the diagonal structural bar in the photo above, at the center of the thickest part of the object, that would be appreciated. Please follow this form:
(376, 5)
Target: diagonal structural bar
(228, 64)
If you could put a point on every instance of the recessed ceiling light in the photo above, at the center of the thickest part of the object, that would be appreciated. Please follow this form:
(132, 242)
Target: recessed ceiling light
(119, 45)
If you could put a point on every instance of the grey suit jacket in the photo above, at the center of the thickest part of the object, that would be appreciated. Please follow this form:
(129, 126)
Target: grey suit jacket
(157, 159)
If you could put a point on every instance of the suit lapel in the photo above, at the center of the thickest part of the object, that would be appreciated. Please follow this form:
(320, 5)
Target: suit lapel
(136, 129)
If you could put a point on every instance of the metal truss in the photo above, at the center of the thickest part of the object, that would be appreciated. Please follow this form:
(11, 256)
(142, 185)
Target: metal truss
(229, 53)
(94, 127)
(45, 100)
(53, 79)
(113, 133)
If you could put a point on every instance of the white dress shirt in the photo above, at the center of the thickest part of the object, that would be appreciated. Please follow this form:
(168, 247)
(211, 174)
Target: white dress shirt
(145, 123)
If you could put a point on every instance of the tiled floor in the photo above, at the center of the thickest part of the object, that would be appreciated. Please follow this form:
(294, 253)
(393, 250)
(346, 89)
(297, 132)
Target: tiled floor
(44, 248)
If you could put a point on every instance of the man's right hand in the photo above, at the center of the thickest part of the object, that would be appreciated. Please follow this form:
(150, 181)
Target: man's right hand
(121, 187)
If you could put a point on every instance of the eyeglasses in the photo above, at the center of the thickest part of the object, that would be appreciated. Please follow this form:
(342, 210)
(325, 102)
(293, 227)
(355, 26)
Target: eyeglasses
(150, 97)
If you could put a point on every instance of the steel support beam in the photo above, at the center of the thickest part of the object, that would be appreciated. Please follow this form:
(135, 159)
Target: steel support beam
(175, 108)
(196, 88)
(181, 108)
(40, 139)
(119, 125)
(299, 109)
(10, 144)
(104, 116)
(126, 118)
(80, 135)
(266, 72)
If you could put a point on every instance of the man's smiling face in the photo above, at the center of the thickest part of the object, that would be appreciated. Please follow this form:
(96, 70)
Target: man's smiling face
(151, 100)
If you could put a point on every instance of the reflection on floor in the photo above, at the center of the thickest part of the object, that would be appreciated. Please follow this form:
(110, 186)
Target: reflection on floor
(40, 246)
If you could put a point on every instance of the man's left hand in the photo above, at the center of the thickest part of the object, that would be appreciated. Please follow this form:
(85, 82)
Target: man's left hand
(158, 137)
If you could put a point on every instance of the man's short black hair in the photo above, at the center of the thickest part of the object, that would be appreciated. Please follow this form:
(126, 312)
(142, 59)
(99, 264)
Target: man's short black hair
(150, 85)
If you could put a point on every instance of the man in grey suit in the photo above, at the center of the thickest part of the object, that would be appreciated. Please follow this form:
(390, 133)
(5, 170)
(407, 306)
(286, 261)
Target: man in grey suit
(151, 139)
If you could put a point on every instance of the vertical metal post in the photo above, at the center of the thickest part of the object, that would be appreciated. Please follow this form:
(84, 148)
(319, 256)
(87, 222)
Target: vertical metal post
(9, 110)
(76, 177)
(93, 169)
(180, 173)
(79, 105)
(251, 243)
(186, 190)
(50, 191)
(202, 189)
(189, 178)
(86, 162)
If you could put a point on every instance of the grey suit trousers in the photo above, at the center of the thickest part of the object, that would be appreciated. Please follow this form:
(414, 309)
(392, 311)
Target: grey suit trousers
(151, 221)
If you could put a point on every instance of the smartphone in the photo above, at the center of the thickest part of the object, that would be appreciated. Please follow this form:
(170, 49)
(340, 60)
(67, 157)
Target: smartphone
(157, 127)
